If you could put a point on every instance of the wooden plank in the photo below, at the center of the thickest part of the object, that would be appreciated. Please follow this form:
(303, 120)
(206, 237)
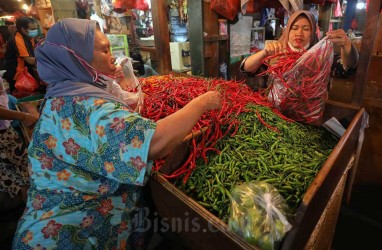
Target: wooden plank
(204, 231)
(214, 38)
(368, 39)
(162, 35)
(211, 27)
(323, 233)
(149, 49)
(212, 61)
(378, 43)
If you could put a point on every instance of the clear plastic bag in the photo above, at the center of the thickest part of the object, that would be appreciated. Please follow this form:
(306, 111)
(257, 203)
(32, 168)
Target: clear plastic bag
(259, 214)
(302, 91)
(129, 89)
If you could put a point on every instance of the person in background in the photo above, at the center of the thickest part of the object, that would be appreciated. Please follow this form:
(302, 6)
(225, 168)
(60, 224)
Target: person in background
(2, 51)
(12, 29)
(144, 70)
(301, 33)
(20, 50)
(90, 154)
(13, 158)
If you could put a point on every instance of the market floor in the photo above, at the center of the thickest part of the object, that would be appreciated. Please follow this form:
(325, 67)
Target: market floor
(359, 224)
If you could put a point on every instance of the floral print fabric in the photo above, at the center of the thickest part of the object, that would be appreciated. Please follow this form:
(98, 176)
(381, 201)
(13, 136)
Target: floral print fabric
(89, 162)
(13, 162)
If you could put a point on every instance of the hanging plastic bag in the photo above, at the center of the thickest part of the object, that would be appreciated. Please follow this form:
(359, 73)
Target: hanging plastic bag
(26, 82)
(128, 89)
(259, 214)
(142, 5)
(338, 10)
(296, 5)
(131, 4)
(107, 7)
(227, 8)
(302, 91)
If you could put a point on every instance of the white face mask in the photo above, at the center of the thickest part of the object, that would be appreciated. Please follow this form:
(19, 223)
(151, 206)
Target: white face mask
(298, 49)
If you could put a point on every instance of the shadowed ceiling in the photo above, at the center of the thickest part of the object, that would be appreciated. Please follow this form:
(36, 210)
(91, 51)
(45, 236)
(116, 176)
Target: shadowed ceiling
(10, 6)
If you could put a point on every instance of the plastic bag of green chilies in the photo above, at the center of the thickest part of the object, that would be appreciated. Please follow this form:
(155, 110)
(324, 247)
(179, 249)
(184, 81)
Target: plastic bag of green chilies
(259, 214)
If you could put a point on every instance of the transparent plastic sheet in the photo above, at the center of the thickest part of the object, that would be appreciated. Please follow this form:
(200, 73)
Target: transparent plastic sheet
(259, 214)
(132, 95)
(302, 91)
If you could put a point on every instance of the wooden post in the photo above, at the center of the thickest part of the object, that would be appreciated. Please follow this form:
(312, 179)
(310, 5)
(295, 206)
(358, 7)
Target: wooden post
(371, 30)
(324, 17)
(195, 34)
(162, 35)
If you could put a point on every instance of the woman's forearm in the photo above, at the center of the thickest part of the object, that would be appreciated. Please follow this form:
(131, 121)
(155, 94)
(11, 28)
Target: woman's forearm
(253, 62)
(30, 60)
(349, 55)
(171, 130)
(6, 114)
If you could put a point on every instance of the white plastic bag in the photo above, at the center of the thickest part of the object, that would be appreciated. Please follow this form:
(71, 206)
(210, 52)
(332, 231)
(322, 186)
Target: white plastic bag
(258, 214)
(129, 88)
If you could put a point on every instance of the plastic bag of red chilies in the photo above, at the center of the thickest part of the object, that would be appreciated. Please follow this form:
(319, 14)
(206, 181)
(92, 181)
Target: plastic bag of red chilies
(302, 91)
(226, 8)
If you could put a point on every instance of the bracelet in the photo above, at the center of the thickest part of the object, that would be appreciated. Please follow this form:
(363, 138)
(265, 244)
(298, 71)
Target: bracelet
(343, 65)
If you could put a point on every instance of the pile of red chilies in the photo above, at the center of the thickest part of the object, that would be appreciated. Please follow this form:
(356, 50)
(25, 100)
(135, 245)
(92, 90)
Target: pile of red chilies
(305, 79)
(166, 94)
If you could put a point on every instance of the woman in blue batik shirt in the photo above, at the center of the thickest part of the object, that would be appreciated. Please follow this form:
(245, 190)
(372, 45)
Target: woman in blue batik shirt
(90, 153)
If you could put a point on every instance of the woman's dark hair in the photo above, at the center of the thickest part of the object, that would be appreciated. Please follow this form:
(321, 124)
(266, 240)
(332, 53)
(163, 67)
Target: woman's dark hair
(23, 22)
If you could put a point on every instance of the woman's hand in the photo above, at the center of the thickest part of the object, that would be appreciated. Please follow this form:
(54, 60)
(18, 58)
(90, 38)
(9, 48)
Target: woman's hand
(349, 55)
(171, 130)
(211, 100)
(118, 74)
(29, 119)
(339, 38)
(272, 48)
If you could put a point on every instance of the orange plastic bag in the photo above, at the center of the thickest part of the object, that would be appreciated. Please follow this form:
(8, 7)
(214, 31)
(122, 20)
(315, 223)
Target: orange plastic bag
(226, 8)
(26, 82)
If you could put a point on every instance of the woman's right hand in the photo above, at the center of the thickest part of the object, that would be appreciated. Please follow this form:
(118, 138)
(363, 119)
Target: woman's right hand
(171, 130)
(272, 48)
(211, 100)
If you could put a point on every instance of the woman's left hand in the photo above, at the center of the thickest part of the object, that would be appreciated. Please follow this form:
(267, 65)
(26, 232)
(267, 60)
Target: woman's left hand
(339, 38)
(119, 72)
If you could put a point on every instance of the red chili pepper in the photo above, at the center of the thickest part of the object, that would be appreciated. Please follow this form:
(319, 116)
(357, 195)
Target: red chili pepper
(166, 94)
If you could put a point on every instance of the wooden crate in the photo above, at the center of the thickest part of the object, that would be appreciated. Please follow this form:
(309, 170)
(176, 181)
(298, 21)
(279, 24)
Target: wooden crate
(211, 233)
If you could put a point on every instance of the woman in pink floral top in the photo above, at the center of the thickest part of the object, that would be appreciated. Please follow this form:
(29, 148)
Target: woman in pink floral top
(91, 154)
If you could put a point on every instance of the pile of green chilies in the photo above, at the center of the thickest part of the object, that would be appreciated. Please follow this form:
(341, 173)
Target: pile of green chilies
(284, 154)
